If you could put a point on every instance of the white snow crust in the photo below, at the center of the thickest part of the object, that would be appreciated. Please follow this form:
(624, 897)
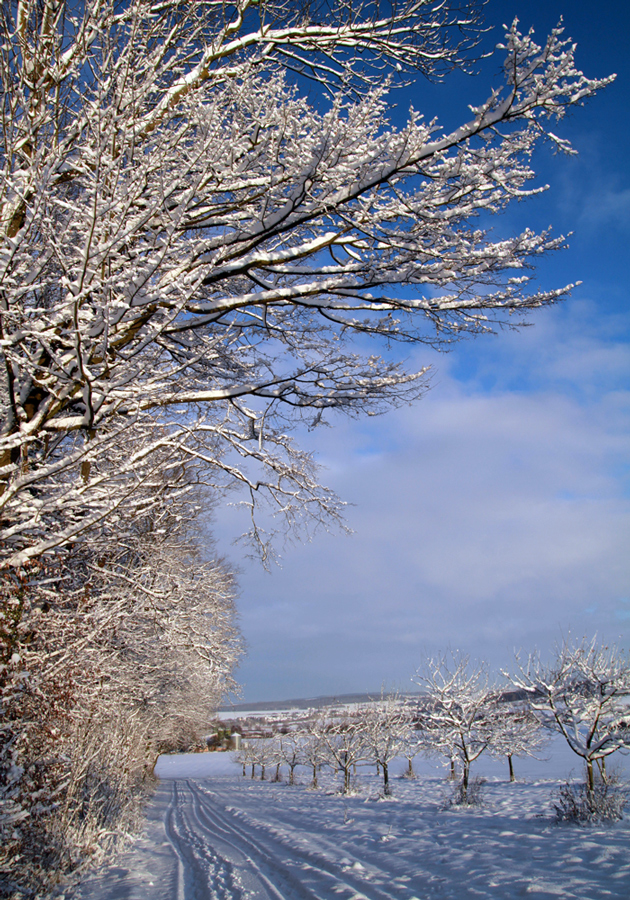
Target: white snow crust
(212, 833)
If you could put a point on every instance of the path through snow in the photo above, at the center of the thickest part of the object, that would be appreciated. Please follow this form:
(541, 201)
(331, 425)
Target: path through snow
(225, 837)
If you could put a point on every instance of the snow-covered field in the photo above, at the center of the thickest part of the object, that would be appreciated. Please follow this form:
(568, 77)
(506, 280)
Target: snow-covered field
(213, 834)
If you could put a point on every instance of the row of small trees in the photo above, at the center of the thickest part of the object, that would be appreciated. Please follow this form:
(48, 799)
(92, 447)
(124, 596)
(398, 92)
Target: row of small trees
(389, 729)
(375, 735)
(582, 695)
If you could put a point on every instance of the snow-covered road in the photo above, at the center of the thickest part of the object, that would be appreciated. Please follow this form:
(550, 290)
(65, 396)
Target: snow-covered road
(225, 857)
(213, 835)
(211, 852)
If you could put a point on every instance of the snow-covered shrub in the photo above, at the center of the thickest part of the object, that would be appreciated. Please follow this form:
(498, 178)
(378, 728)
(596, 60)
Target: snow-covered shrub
(107, 656)
(73, 768)
(578, 804)
(470, 794)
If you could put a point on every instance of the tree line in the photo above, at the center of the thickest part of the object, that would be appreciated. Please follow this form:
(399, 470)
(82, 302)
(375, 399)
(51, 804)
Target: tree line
(115, 652)
(583, 695)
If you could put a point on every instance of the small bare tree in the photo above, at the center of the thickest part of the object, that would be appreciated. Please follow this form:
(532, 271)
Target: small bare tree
(314, 748)
(345, 745)
(291, 749)
(386, 727)
(414, 736)
(263, 752)
(518, 733)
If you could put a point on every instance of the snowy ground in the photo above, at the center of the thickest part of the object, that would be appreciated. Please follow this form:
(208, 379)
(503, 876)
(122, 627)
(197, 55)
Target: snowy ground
(213, 835)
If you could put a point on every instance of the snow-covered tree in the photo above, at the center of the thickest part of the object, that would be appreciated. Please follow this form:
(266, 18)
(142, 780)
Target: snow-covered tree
(415, 738)
(314, 747)
(583, 695)
(246, 757)
(459, 710)
(345, 745)
(291, 752)
(386, 725)
(190, 238)
(263, 752)
(108, 654)
(518, 733)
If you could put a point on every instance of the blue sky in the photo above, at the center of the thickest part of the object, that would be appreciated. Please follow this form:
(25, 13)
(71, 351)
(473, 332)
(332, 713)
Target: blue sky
(495, 513)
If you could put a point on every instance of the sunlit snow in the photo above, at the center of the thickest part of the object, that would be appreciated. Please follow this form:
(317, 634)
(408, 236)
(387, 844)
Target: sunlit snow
(213, 833)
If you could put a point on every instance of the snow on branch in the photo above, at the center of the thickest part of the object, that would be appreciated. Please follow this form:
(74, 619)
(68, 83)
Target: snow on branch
(582, 694)
(189, 244)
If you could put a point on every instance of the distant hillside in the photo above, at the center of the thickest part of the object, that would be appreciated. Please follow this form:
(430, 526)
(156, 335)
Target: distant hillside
(305, 702)
(507, 696)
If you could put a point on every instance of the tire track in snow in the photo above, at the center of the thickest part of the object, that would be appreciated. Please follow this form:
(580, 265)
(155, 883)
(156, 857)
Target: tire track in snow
(259, 874)
(316, 877)
(251, 871)
(202, 873)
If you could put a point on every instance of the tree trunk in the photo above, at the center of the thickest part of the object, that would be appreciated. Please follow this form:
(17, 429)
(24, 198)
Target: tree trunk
(410, 772)
(601, 765)
(262, 773)
(253, 770)
(465, 780)
(512, 778)
(314, 781)
(378, 768)
(452, 773)
(590, 776)
(385, 779)
(346, 779)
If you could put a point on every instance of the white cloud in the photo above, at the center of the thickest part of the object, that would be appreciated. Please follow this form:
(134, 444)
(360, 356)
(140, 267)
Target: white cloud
(485, 519)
